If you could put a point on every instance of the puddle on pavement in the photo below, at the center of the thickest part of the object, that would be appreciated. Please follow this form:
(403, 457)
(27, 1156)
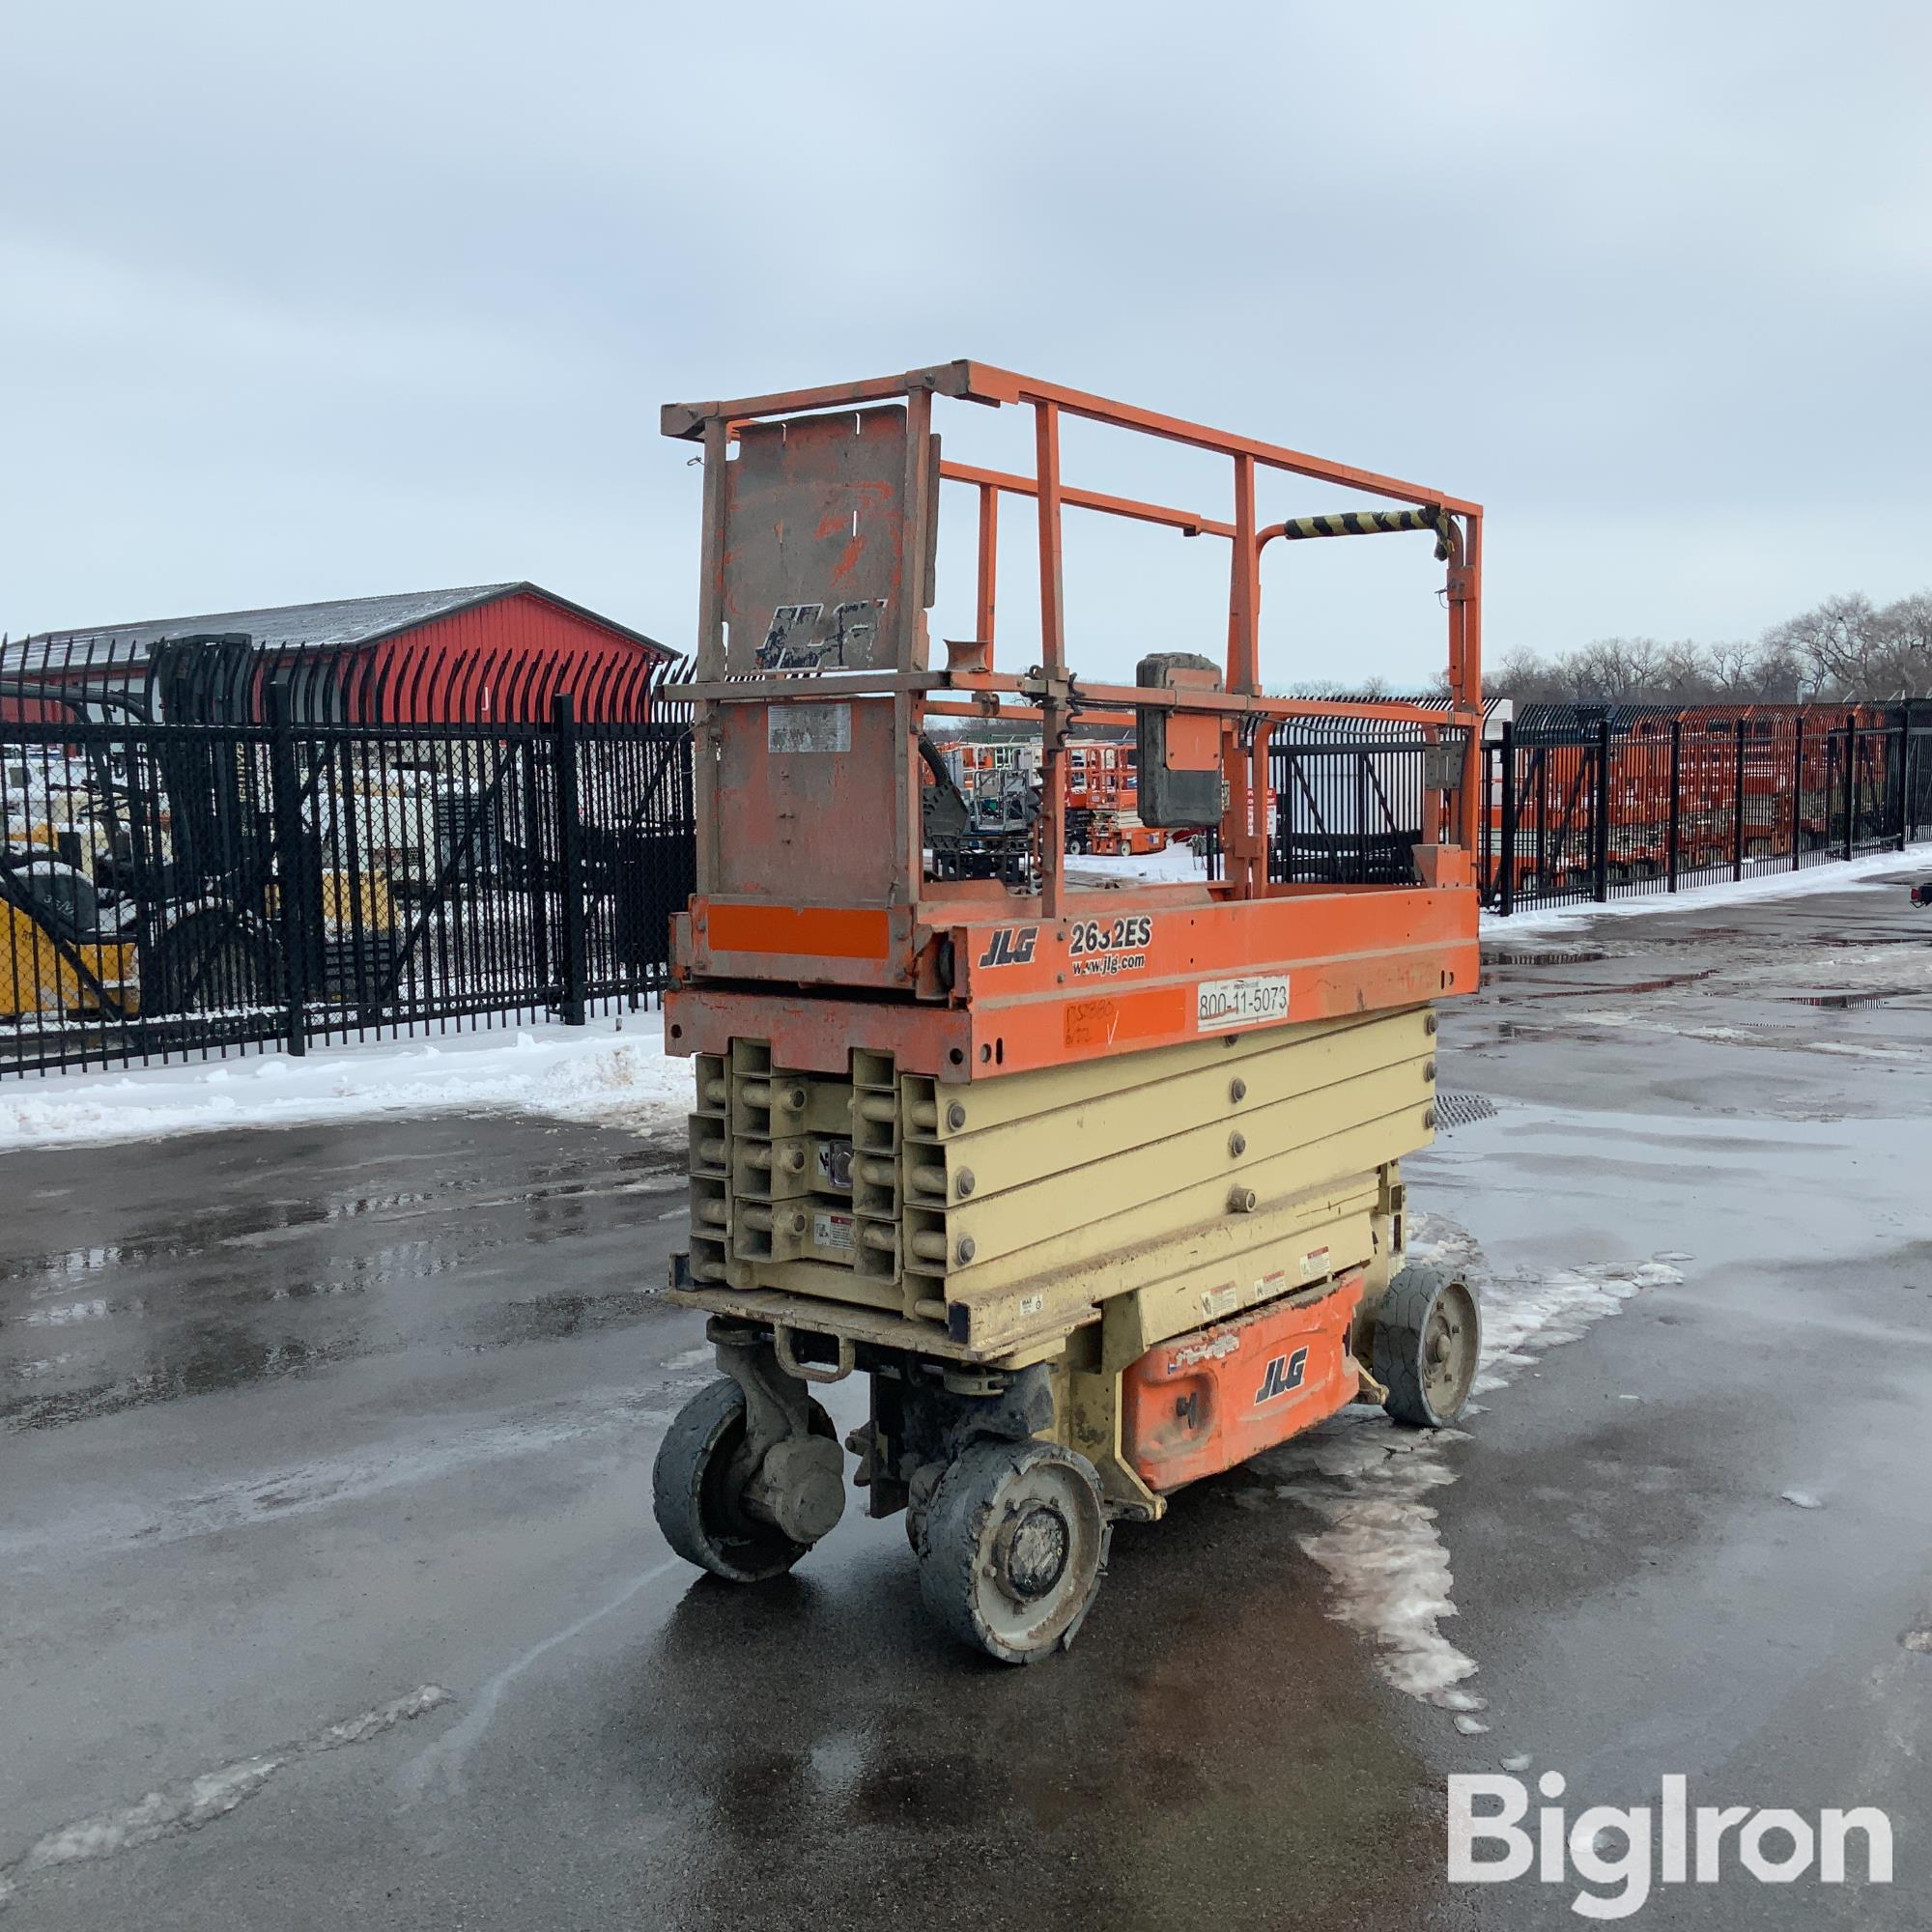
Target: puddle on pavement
(218, 1359)
(1601, 989)
(550, 1318)
(1860, 941)
(252, 1289)
(1584, 956)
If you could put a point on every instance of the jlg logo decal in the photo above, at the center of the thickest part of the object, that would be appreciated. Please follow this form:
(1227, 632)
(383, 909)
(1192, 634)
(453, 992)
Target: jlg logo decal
(1010, 946)
(1284, 1375)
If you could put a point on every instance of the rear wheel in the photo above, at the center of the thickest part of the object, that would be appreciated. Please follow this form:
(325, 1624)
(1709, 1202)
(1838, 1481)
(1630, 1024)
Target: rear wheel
(1012, 1548)
(695, 1492)
(1428, 1341)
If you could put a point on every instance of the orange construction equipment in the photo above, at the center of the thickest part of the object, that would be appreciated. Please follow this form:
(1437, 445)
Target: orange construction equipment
(1689, 788)
(1033, 1157)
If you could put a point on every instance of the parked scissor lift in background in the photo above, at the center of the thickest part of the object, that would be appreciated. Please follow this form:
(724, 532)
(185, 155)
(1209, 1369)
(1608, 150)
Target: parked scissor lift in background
(1100, 1188)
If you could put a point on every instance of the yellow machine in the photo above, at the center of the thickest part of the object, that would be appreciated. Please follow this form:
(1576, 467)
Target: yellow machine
(1100, 1187)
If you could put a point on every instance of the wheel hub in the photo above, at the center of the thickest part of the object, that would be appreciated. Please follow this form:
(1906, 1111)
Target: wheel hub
(1033, 1550)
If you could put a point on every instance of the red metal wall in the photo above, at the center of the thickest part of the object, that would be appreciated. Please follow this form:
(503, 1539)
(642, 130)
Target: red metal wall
(504, 661)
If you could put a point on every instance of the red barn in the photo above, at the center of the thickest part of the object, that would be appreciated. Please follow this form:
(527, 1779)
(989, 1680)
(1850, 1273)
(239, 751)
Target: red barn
(491, 652)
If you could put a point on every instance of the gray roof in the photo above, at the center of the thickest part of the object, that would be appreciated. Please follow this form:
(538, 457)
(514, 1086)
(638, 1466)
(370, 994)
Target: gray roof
(338, 622)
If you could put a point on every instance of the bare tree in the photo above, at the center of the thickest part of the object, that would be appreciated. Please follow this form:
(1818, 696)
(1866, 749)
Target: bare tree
(1614, 671)
(1843, 644)
(1688, 674)
(1907, 632)
(1526, 677)
(1846, 648)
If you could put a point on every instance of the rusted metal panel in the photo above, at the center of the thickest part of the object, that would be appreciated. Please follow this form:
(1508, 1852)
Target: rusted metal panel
(815, 783)
(815, 563)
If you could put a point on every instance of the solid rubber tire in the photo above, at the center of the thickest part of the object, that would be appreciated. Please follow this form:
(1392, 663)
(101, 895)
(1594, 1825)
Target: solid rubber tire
(954, 1527)
(685, 1498)
(1396, 1356)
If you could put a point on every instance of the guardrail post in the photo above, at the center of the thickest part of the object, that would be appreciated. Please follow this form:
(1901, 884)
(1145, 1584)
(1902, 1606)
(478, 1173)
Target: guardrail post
(285, 814)
(1676, 801)
(1506, 855)
(1851, 779)
(1798, 794)
(1601, 858)
(570, 858)
(1737, 809)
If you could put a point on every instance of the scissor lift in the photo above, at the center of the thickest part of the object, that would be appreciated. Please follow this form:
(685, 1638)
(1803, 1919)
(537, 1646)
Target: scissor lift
(1101, 1188)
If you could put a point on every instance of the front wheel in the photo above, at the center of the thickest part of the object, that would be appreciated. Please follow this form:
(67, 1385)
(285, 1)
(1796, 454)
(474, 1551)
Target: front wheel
(694, 1497)
(1429, 1336)
(1013, 1547)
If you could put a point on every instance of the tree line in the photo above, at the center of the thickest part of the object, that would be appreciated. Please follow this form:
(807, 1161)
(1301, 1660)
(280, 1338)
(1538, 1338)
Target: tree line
(1848, 649)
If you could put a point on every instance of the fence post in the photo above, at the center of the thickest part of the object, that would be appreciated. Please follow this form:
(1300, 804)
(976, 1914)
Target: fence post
(285, 814)
(570, 857)
(1798, 794)
(537, 884)
(1915, 774)
(1506, 857)
(1601, 858)
(1676, 801)
(1904, 764)
(1851, 779)
(1540, 762)
(1737, 809)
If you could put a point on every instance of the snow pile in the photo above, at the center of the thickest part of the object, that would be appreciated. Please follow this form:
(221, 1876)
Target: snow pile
(1369, 1484)
(613, 1071)
(1388, 1567)
(1752, 888)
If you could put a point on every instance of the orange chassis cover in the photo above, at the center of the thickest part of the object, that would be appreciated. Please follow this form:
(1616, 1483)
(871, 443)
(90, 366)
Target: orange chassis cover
(1202, 1401)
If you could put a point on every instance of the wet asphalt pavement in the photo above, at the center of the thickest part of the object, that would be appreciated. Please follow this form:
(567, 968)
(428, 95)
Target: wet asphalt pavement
(329, 1594)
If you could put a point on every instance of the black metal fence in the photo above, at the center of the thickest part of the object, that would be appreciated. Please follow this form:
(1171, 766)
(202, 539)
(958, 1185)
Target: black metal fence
(1605, 808)
(208, 855)
(213, 848)
(1347, 799)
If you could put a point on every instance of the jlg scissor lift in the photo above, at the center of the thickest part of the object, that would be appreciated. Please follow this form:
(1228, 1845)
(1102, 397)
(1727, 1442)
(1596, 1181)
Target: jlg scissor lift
(1099, 1187)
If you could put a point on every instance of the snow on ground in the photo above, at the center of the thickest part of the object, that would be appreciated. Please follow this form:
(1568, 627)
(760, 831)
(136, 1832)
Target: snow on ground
(613, 1071)
(1179, 864)
(1770, 880)
(616, 1068)
(1751, 890)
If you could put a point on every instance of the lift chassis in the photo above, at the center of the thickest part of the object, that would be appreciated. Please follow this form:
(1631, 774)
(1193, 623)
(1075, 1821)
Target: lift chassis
(1100, 1186)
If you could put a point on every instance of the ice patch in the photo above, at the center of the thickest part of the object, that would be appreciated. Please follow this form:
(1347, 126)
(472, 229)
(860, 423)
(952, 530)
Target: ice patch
(1802, 1498)
(192, 1803)
(1388, 1568)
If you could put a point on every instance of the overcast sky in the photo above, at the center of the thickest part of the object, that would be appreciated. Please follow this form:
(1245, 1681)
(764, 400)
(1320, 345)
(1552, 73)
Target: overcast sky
(319, 302)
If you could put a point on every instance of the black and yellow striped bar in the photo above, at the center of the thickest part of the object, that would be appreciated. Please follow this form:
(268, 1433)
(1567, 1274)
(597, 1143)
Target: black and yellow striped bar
(1362, 523)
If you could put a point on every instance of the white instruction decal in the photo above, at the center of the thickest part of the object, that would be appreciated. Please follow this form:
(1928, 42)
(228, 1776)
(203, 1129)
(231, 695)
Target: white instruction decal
(1220, 1005)
(832, 1231)
(808, 727)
